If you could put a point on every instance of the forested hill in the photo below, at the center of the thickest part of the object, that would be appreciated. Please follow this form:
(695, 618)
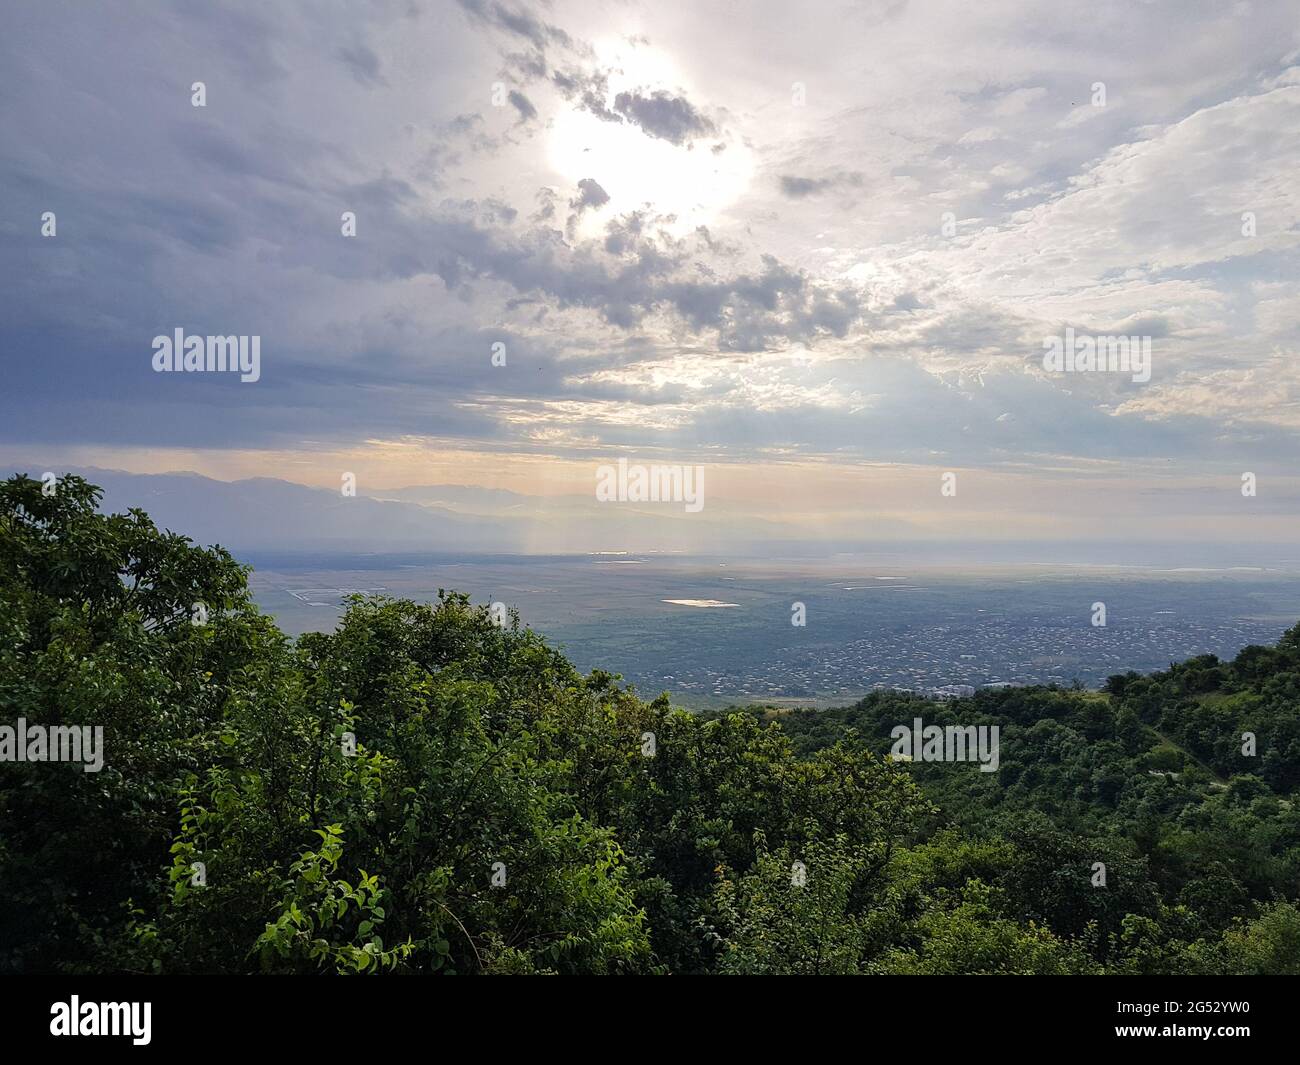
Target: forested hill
(427, 791)
(1183, 781)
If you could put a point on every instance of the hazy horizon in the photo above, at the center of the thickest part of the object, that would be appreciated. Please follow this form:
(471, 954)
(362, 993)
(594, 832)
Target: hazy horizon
(266, 517)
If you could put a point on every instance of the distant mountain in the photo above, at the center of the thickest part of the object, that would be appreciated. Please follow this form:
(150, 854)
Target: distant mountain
(264, 513)
(269, 514)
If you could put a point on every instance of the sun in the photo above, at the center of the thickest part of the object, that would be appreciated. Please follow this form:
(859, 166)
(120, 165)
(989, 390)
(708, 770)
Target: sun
(694, 183)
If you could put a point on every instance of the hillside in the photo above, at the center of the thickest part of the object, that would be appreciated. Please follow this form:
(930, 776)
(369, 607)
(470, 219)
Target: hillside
(426, 790)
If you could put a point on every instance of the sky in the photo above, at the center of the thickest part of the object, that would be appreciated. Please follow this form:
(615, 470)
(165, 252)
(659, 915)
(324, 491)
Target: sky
(816, 249)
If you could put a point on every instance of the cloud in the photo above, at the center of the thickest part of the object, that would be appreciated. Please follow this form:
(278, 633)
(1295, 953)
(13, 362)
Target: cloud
(363, 63)
(658, 113)
(1017, 101)
(517, 22)
(798, 188)
(590, 197)
(590, 194)
(665, 116)
(521, 103)
(589, 89)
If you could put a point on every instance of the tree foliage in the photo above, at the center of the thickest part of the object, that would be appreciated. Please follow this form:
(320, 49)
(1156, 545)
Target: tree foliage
(425, 790)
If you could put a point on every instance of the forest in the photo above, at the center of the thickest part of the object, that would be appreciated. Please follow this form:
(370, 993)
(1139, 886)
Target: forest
(426, 790)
